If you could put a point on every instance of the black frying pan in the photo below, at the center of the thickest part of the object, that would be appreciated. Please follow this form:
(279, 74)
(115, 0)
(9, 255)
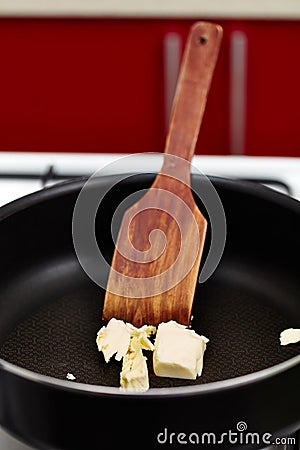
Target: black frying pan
(50, 312)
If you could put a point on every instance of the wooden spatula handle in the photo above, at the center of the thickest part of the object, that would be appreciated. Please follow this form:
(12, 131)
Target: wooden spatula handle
(142, 290)
(202, 51)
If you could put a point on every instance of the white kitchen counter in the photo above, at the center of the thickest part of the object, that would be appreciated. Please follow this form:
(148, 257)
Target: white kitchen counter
(264, 9)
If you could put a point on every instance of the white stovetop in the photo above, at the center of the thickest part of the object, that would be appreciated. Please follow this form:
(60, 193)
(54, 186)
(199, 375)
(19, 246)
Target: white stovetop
(285, 170)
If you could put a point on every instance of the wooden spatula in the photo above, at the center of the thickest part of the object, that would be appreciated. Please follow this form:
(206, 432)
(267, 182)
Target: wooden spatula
(159, 247)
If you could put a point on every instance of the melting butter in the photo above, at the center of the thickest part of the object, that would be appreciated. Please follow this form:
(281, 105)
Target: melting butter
(114, 339)
(127, 342)
(290, 336)
(177, 352)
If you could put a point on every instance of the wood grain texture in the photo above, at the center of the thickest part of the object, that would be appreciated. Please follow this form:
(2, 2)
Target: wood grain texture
(160, 243)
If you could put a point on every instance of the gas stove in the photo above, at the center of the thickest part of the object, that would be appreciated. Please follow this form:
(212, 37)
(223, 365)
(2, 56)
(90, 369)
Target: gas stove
(24, 173)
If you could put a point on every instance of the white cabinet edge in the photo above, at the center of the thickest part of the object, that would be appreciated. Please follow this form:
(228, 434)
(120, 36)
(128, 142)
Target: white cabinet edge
(276, 9)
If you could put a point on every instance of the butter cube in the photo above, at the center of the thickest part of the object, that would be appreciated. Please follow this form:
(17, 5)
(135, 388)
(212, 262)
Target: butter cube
(178, 351)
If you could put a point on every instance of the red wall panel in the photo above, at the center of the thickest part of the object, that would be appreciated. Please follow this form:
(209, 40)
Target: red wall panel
(74, 85)
(90, 85)
(273, 88)
(96, 85)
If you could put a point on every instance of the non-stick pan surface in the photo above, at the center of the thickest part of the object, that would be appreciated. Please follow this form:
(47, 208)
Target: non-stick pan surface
(51, 312)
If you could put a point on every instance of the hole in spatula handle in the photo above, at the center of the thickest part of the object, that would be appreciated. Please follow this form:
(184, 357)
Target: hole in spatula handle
(202, 40)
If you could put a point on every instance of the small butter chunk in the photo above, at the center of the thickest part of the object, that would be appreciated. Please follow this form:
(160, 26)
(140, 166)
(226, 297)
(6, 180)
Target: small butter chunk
(178, 351)
(114, 339)
(290, 336)
(134, 375)
(70, 377)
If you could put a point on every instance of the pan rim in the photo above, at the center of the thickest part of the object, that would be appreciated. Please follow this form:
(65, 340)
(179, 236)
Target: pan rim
(73, 185)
